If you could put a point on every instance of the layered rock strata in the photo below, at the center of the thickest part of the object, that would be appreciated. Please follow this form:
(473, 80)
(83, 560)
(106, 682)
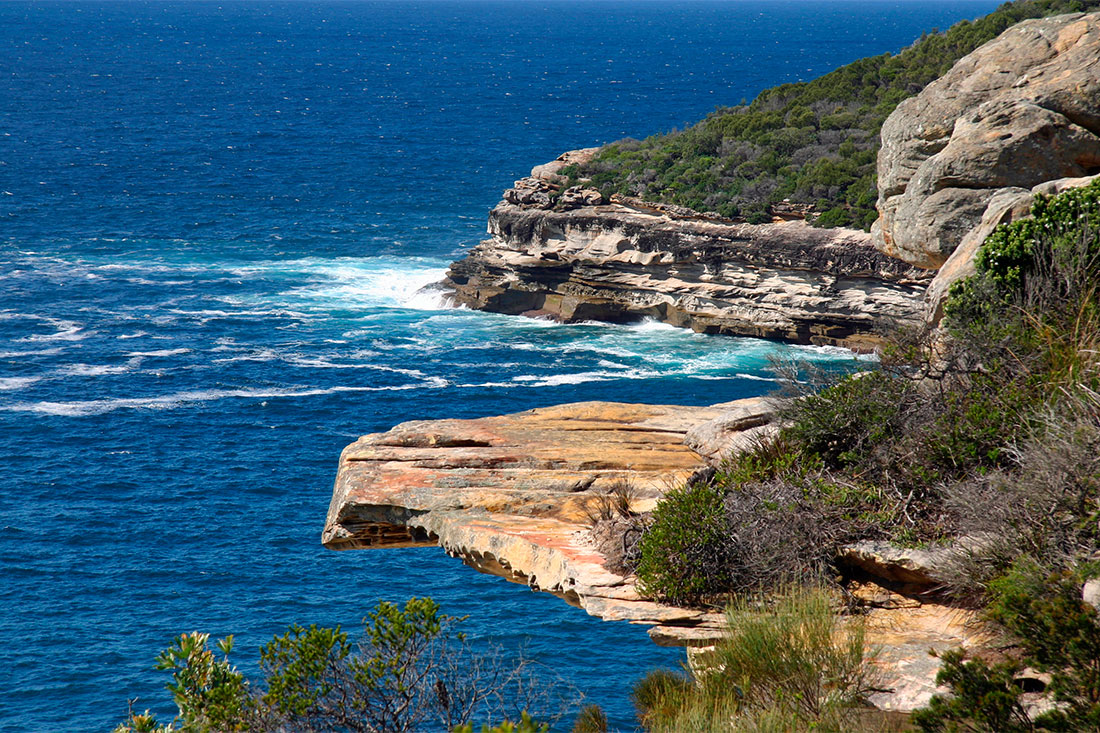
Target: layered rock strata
(511, 495)
(618, 262)
(1021, 110)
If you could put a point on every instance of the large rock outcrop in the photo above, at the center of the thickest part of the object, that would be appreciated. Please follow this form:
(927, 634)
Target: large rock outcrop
(1022, 110)
(626, 260)
(510, 495)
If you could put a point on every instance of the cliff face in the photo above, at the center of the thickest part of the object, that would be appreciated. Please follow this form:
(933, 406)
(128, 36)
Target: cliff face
(1022, 110)
(625, 260)
(511, 495)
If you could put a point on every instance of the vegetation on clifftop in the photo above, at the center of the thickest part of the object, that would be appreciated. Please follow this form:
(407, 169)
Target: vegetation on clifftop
(990, 433)
(811, 142)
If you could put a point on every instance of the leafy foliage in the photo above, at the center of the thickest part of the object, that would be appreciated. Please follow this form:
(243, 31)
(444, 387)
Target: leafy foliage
(813, 142)
(1059, 634)
(410, 670)
(686, 550)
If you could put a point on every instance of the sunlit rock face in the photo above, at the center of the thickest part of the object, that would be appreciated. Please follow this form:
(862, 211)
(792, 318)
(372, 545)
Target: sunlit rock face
(1021, 110)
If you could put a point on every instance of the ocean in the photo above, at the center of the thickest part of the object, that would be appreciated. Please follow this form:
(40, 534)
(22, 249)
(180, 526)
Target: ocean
(217, 222)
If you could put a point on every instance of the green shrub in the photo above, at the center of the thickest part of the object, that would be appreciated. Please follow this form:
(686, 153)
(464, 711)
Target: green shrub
(686, 551)
(410, 671)
(843, 422)
(1058, 633)
(811, 142)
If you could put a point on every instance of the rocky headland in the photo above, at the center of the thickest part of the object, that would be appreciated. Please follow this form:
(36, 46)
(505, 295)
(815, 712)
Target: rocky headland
(578, 258)
(513, 495)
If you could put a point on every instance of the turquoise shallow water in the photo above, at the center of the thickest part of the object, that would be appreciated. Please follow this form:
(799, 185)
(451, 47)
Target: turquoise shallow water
(216, 221)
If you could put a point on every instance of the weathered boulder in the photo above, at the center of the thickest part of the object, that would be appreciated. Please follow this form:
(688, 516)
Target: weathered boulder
(575, 197)
(908, 565)
(739, 429)
(1019, 111)
(551, 171)
(618, 263)
(531, 192)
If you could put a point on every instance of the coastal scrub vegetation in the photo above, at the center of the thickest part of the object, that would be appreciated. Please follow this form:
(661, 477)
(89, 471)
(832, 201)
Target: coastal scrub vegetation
(410, 670)
(991, 433)
(812, 142)
(985, 436)
(787, 664)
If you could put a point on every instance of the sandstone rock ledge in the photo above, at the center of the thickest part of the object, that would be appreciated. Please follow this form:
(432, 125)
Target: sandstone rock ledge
(624, 261)
(508, 495)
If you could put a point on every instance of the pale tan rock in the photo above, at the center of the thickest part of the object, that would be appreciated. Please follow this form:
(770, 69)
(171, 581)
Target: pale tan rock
(785, 280)
(924, 567)
(550, 171)
(509, 494)
(902, 641)
(1019, 111)
(740, 429)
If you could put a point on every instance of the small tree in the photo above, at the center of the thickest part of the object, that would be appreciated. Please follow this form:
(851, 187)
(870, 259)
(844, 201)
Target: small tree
(410, 671)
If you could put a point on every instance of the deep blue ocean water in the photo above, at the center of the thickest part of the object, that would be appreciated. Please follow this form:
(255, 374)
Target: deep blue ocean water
(215, 221)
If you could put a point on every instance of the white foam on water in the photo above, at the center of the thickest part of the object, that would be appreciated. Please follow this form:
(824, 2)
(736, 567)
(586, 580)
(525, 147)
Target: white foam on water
(356, 282)
(554, 380)
(96, 370)
(14, 383)
(31, 352)
(160, 352)
(134, 335)
(259, 355)
(66, 331)
(83, 408)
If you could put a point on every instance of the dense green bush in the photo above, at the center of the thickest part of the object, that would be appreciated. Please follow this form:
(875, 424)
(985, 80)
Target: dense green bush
(812, 142)
(1057, 632)
(686, 551)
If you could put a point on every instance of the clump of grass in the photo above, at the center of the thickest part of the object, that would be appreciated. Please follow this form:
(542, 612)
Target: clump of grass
(615, 527)
(790, 664)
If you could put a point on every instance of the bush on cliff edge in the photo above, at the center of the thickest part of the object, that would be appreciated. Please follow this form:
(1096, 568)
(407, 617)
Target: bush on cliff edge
(994, 434)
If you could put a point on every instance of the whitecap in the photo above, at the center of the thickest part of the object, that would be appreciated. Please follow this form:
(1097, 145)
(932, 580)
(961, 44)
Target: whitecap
(13, 383)
(84, 408)
(31, 352)
(94, 370)
(160, 352)
(66, 331)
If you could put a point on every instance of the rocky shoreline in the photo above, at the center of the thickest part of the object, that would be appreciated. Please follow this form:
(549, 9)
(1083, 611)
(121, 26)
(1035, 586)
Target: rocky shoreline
(512, 495)
(625, 260)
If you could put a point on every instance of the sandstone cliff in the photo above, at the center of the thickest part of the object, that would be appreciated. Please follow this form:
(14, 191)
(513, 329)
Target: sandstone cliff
(512, 496)
(1022, 110)
(583, 259)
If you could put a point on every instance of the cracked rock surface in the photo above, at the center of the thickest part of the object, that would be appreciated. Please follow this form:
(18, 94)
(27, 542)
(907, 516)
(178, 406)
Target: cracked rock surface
(1019, 111)
(622, 262)
(509, 495)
